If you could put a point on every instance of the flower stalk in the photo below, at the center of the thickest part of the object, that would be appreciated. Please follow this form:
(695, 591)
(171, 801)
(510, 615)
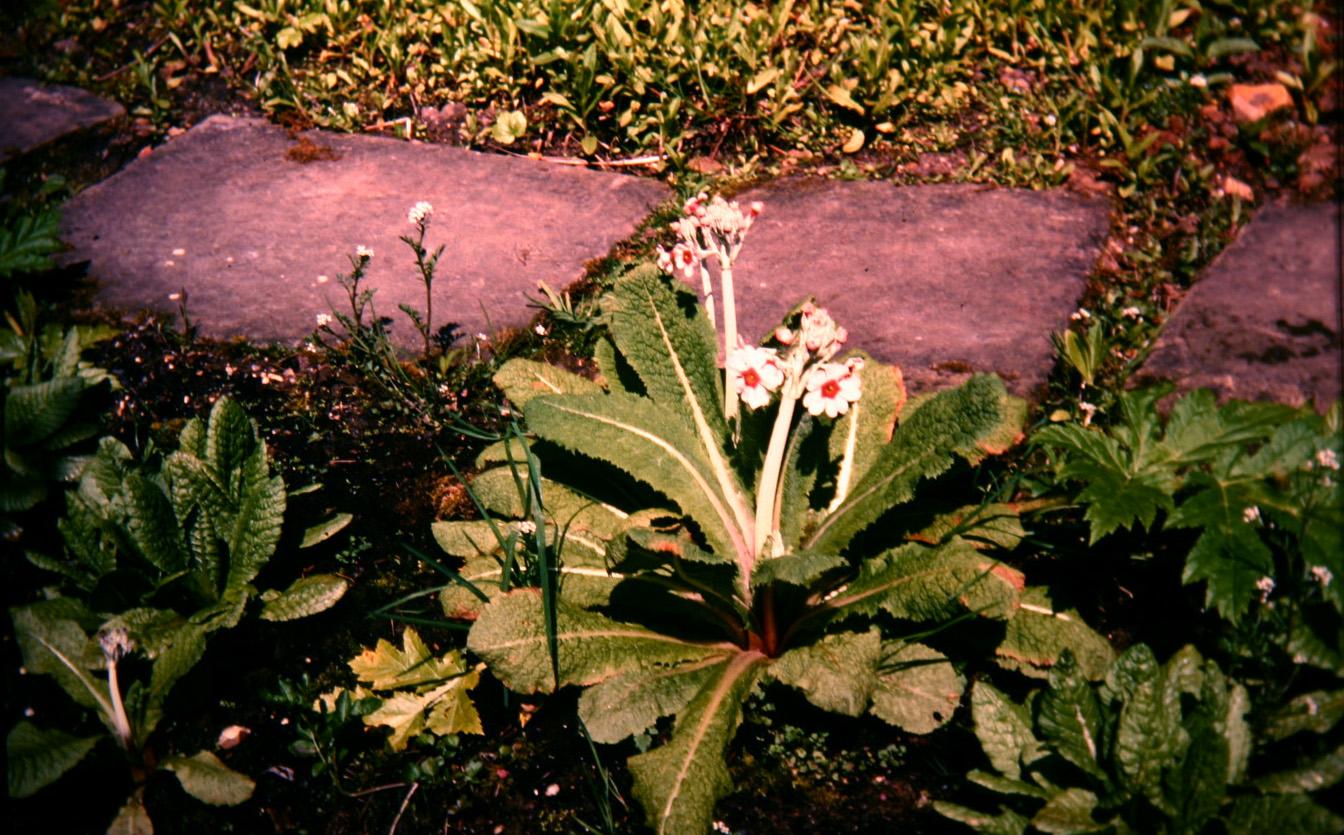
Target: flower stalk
(116, 643)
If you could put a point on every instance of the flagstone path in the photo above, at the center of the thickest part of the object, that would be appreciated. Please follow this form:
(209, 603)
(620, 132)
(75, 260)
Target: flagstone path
(33, 114)
(1264, 322)
(255, 224)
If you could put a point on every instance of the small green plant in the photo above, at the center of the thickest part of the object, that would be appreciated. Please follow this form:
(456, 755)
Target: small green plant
(742, 564)
(159, 561)
(29, 239)
(413, 690)
(1153, 749)
(45, 407)
(1260, 482)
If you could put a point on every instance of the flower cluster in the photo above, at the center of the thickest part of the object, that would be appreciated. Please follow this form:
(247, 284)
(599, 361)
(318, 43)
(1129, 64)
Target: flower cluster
(420, 214)
(364, 253)
(800, 366)
(711, 229)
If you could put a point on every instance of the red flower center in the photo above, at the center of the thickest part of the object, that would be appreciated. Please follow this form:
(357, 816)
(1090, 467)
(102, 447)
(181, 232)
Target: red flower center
(830, 388)
(751, 378)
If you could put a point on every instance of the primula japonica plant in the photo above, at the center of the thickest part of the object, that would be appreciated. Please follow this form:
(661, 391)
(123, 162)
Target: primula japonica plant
(723, 556)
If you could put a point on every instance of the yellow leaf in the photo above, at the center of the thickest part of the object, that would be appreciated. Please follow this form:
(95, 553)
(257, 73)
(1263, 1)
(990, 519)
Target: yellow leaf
(841, 96)
(855, 142)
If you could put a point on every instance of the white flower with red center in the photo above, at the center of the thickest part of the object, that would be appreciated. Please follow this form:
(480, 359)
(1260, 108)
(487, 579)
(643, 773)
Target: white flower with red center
(831, 387)
(754, 373)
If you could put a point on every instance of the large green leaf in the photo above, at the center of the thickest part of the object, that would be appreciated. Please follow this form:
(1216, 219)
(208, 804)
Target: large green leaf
(1231, 560)
(679, 782)
(33, 413)
(665, 336)
(1069, 717)
(1320, 773)
(837, 673)
(922, 446)
(37, 758)
(230, 439)
(204, 777)
(921, 583)
(1317, 711)
(256, 531)
(153, 526)
(1004, 730)
(510, 636)
(54, 642)
(387, 668)
(521, 380)
(651, 444)
(631, 703)
(1007, 822)
(1068, 813)
(133, 819)
(1148, 735)
(1296, 813)
(918, 689)
(1037, 634)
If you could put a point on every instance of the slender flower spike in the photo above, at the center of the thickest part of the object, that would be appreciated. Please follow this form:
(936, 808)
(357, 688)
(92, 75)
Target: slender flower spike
(831, 387)
(420, 213)
(754, 373)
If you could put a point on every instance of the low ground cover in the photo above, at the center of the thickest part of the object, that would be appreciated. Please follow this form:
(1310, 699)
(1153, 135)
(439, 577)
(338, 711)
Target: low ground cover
(1128, 619)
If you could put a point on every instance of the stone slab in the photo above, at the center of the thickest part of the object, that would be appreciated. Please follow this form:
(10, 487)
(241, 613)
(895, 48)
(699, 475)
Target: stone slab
(940, 280)
(1264, 322)
(33, 114)
(255, 227)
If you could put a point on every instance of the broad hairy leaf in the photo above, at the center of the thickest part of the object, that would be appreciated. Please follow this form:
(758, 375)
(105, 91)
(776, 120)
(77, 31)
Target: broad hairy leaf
(1296, 813)
(230, 439)
(205, 778)
(1149, 735)
(510, 636)
(1007, 822)
(922, 446)
(33, 413)
(153, 526)
(305, 596)
(798, 569)
(1317, 711)
(837, 673)
(37, 758)
(631, 703)
(1320, 773)
(1068, 813)
(1037, 635)
(917, 689)
(652, 445)
(917, 582)
(1069, 717)
(1004, 730)
(256, 531)
(523, 379)
(679, 782)
(51, 634)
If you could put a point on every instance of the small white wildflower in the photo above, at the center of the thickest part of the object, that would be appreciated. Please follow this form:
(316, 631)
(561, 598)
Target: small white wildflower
(1080, 314)
(540, 330)
(1089, 412)
(1198, 80)
(481, 337)
(420, 213)
(525, 527)
(1265, 585)
(1050, 119)
(720, 826)
(323, 319)
(1322, 574)
(365, 252)
(1327, 458)
(1251, 515)
(553, 789)
(1131, 313)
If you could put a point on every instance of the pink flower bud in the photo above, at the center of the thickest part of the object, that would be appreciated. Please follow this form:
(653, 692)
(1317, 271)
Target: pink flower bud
(784, 336)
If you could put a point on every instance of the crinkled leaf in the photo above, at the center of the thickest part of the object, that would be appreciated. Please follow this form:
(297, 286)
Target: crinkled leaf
(679, 782)
(205, 778)
(1320, 773)
(798, 569)
(1004, 730)
(37, 758)
(1068, 813)
(991, 525)
(153, 526)
(1007, 822)
(950, 422)
(1317, 711)
(445, 709)
(256, 531)
(305, 596)
(631, 703)
(523, 379)
(1003, 785)
(230, 439)
(510, 636)
(1069, 717)
(1036, 635)
(921, 583)
(35, 412)
(837, 673)
(918, 689)
(1149, 735)
(1296, 813)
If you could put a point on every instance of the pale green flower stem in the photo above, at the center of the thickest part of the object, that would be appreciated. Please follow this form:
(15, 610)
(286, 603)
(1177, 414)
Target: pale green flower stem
(766, 493)
(119, 718)
(731, 406)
